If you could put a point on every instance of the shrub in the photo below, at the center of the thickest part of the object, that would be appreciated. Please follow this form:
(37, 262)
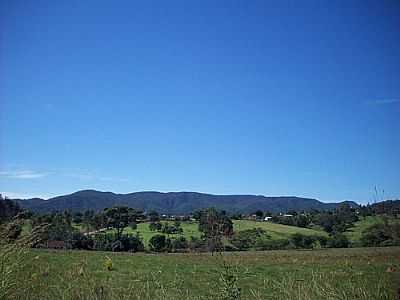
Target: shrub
(338, 240)
(179, 244)
(108, 263)
(159, 243)
(81, 241)
(299, 240)
(197, 244)
(131, 243)
(381, 235)
(247, 239)
(171, 229)
(278, 244)
(107, 242)
(155, 226)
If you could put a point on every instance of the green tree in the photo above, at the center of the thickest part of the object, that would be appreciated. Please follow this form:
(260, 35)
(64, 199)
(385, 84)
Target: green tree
(119, 217)
(153, 216)
(214, 225)
(159, 243)
(259, 214)
(338, 240)
(88, 219)
(133, 225)
(155, 226)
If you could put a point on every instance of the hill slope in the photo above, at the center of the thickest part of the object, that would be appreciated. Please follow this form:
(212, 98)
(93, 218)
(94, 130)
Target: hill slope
(276, 231)
(173, 202)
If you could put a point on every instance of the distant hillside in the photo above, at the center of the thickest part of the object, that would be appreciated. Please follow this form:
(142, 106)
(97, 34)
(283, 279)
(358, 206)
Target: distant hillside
(174, 202)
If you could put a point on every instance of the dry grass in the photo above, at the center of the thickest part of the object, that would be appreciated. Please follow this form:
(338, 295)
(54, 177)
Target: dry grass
(15, 260)
(332, 274)
(325, 274)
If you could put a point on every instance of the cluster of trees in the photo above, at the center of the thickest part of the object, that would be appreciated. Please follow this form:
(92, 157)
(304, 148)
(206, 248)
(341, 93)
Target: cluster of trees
(259, 239)
(166, 227)
(161, 243)
(64, 227)
(388, 207)
(340, 220)
(381, 234)
(11, 219)
(213, 224)
(8, 209)
(335, 221)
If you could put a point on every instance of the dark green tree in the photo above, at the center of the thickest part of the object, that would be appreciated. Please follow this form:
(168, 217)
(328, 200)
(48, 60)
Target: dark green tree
(159, 243)
(155, 226)
(119, 217)
(259, 214)
(153, 216)
(214, 225)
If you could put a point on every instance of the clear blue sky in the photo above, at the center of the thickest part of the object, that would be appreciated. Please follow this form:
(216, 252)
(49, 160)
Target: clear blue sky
(251, 97)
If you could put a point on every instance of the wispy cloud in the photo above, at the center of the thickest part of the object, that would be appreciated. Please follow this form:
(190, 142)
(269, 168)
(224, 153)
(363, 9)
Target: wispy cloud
(18, 195)
(385, 101)
(80, 175)
(22, 174)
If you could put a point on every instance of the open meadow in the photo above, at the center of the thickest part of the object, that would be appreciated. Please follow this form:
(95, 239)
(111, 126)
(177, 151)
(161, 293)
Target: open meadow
(355, 273)
(190, 229)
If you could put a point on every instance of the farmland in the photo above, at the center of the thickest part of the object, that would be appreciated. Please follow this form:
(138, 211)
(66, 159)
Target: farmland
(190, 229)
(356, 273)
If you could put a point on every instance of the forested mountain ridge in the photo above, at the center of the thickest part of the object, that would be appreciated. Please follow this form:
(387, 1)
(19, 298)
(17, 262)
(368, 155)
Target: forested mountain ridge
(174, 202)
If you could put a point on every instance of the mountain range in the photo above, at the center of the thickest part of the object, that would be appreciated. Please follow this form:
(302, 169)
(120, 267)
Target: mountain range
(175, 202)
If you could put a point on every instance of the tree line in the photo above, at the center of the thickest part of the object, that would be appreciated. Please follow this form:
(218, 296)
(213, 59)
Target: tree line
(105, 230)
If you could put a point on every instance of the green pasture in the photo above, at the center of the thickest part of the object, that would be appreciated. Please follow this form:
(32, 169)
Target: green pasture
(356, 273)
(190, 229)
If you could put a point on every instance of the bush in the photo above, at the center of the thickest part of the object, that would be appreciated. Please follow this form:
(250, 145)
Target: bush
(302, 241)
(381, 235)
(323, 241)
(338, 240)
(81, 241)
(107, 242)
(131, 243)
(155, 226)
(179, 244)
(197, 244)
(108, 264)
(279, 244)
(172, 229)
(102, 242)
(159, 243)
(246, 239)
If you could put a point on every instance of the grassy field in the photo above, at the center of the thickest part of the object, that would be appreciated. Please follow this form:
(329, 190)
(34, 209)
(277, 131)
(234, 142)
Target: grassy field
(189, 229)
(276, 231)
(356, 273)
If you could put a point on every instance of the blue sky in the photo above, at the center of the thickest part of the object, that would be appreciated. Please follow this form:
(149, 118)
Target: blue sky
(229, 97)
